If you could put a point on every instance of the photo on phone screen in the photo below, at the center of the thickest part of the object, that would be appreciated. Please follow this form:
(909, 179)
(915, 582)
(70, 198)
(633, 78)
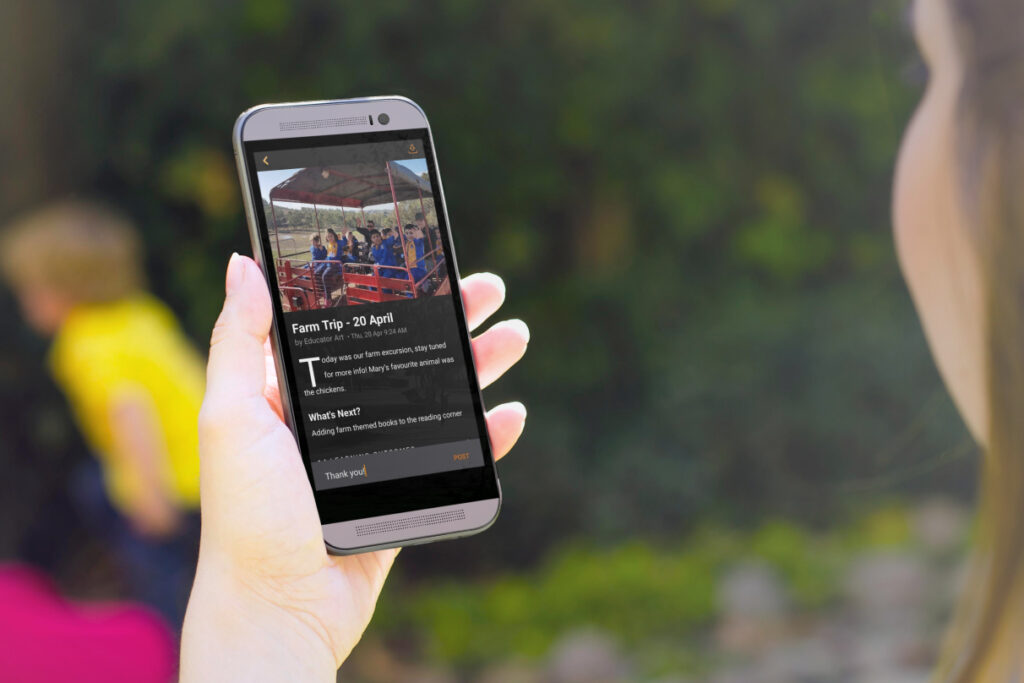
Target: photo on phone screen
(386, 408)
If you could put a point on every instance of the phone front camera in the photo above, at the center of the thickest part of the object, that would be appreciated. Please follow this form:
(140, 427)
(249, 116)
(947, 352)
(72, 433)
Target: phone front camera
(383, 119)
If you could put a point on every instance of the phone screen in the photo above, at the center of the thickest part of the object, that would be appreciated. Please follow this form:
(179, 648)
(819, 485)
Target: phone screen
(385, 405)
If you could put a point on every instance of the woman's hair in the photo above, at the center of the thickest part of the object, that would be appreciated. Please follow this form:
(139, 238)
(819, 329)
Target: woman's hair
(986, 641)
(331, 233)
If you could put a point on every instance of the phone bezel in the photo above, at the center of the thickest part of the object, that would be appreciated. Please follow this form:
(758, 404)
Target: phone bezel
(258, 125)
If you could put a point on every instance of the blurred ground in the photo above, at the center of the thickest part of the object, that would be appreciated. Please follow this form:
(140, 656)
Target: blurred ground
(864, 603)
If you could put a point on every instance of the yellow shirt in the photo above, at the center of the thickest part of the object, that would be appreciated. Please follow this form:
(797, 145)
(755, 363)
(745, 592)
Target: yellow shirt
(133, 348)
(410, 253)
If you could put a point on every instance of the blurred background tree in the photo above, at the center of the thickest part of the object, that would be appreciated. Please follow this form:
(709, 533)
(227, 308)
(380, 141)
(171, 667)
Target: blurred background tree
(689, 202)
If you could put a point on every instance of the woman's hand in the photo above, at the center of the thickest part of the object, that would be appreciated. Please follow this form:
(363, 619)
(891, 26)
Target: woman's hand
(268, 602)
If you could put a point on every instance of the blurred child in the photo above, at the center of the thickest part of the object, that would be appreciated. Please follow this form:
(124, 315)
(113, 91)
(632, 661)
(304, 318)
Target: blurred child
(96, 642)
(133, 381)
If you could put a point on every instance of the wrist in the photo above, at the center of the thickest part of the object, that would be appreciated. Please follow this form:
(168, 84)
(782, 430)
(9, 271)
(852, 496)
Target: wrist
(232, 633)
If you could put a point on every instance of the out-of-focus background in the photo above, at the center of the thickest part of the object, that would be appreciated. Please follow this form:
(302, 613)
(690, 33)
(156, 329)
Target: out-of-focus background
(740, 463)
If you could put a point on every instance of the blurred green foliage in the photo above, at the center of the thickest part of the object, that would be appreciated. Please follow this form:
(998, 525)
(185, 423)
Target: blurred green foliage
(640, 593)
(689, 202)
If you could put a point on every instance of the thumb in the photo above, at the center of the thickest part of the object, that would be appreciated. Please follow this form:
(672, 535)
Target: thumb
(237, 367)
(231, 417)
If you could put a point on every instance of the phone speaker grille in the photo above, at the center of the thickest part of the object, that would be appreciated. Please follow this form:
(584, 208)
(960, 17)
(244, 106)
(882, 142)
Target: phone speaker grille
(411, 522)
(324, 123)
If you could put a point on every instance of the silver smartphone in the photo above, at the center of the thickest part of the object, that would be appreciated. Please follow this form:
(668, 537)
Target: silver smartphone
(347, 218)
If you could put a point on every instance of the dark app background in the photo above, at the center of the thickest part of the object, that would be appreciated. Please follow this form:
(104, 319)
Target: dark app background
(397, 466)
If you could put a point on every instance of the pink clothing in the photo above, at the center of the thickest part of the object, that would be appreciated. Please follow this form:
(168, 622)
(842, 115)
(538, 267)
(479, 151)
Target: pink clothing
(45, 638)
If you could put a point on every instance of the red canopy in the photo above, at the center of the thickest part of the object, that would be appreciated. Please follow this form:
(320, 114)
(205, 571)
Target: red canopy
(351, 185)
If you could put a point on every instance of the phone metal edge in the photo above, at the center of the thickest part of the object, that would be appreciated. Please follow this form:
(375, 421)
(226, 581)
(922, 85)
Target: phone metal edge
(257, 247)
(249, 203)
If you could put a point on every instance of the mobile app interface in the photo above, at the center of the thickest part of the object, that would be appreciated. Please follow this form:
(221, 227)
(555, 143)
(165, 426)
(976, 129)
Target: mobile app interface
(372, 340)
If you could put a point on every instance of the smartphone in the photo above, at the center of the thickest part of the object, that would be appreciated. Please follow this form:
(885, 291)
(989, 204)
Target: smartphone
(348, 222)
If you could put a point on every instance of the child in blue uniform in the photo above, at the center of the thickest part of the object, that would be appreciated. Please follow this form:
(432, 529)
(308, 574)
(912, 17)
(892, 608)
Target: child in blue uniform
(415, 248)
(317, 252)
(421, 241)
(316, 249)
(318, 256)
(332, 269)
(383, 254)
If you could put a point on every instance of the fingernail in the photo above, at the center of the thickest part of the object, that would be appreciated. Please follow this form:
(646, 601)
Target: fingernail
(518, 406)
(236, 273)
(499, 282)
(521, 327)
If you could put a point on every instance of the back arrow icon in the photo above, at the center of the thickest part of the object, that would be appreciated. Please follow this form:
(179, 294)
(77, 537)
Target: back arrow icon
(265, 162)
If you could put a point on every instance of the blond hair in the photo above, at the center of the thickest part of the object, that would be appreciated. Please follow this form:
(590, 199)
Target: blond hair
(82, 250)
(985, 643)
